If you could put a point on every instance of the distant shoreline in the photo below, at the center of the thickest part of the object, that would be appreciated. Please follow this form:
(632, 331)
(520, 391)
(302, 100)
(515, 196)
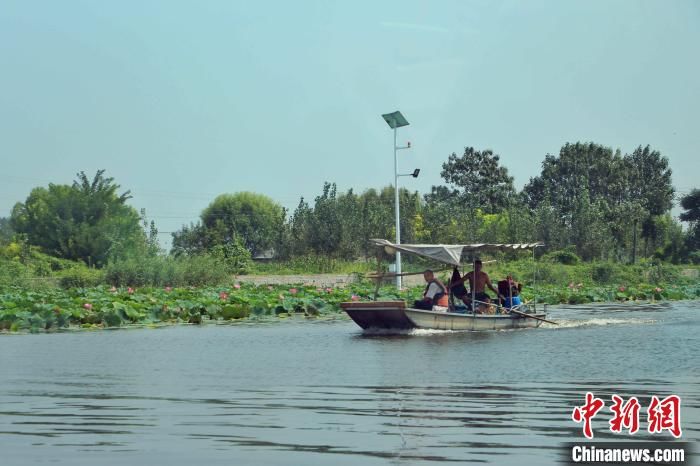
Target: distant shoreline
(103, 307)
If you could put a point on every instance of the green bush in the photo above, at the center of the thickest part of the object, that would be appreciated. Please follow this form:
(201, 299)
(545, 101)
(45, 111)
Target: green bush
(565, 256)
(13, 273)
(235, 256)
(235, 311)
(137, 271)
(529, 272)
(602, 272)
(314, 264)
(167, 271)
(202, 270)
(81, 277)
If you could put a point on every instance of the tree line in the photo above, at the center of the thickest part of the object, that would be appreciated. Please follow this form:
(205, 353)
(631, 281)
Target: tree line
(589, 200)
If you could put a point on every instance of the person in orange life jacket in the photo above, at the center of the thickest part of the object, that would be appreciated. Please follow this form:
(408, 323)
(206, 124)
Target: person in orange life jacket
(435, 293)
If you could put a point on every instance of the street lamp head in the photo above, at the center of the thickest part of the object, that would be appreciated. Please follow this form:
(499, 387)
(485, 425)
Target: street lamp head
(415, 173)
(395, 120)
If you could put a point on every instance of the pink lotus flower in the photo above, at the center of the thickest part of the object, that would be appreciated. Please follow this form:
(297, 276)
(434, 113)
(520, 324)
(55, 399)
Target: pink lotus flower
(355, 297)
(329, 290)
(622, 288)
(658, 290)
(269, 287)
(223, 296)
(168, 289)
(237, 286)
(87, 306)
(571, 285)
(113, 290)
(293, 290)
(130, 290)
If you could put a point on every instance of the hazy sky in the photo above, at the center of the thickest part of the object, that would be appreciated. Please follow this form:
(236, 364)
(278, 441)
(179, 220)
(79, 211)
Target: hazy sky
(181, 101)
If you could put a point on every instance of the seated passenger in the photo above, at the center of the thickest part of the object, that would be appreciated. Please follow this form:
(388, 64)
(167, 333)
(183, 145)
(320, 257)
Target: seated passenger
(515, 301)
(479, 285)
(457, 287)
(510, 290)
(435, 293)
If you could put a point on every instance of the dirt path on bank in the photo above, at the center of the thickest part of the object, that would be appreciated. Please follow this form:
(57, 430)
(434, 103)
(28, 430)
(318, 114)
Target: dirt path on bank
(321, 280)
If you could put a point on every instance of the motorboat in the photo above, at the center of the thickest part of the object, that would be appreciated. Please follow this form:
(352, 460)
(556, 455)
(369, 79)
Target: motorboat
(478, 316)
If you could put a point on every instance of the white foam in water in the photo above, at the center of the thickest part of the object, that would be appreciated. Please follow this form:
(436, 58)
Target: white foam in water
(425, 331)
(602, 321)
(411, 332)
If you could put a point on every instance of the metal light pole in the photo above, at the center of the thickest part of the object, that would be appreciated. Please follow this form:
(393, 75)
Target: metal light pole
(396, 120)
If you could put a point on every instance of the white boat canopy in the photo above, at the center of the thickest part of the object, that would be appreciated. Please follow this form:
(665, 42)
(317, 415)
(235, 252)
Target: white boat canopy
(449, 253)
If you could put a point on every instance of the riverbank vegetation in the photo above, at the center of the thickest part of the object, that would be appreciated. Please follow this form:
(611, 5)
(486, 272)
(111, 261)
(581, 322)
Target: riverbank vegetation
(604, 216)
(50, 309)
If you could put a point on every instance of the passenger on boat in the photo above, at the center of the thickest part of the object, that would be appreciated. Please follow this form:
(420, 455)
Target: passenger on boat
(510, 290)
(482, 281)
(457, 287)
(435, 293)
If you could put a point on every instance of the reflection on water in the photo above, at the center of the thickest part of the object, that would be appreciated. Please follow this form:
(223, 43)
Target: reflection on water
(432, 423)
(315, 393)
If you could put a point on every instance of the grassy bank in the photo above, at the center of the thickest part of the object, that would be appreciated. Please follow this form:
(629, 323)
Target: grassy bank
(29, 268)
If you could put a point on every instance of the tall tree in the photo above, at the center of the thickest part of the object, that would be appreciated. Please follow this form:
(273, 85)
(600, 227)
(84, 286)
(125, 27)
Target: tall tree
(300, 226)
(326, 230)
(446, 219)
(6, 231)
(631, 192)
(478, 180)
(649, 183)
(691, 206)
(581, 166)
(253, 219)
(87, 221)
(350, 225)
(190, 240)
(649, 180)
(377, 218)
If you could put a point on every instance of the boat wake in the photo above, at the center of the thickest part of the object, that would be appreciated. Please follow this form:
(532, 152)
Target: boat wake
(597, 322)
(426, 331)
(408, 332)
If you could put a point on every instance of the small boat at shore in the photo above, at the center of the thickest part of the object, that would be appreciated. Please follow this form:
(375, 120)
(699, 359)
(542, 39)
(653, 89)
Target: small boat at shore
(397, 315)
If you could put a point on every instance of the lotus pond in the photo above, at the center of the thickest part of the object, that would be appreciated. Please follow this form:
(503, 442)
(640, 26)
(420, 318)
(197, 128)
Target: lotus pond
(108, 307)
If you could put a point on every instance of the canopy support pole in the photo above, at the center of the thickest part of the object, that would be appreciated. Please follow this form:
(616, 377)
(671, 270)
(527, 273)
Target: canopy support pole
(472, 284)
(534, 279)
(378, 279)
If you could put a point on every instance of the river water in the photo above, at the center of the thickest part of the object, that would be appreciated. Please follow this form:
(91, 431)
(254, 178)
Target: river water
(317, 392)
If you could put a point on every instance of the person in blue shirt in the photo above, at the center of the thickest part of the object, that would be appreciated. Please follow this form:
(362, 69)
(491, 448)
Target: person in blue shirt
(510, 292)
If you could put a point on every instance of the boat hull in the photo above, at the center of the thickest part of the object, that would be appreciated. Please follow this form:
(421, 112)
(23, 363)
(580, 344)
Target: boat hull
(395, 315)
(379, 314)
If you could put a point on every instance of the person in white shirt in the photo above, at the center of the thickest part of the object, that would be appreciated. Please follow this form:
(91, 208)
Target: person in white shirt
(435, 293)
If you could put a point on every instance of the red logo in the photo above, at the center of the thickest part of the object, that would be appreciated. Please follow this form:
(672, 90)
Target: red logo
(665, 415)
(661, 414)
(626, 415)
(587, 412)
